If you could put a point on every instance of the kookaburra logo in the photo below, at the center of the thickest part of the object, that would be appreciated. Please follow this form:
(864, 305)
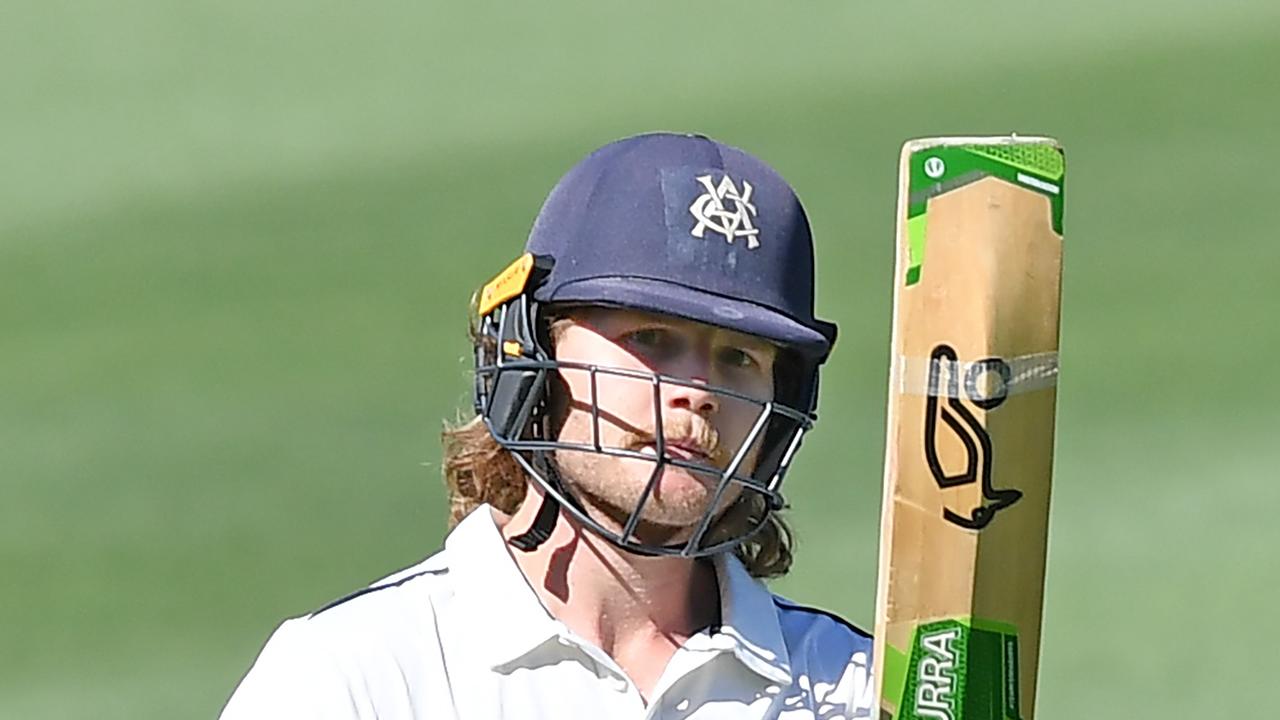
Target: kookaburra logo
(956, 416)
(711, 212)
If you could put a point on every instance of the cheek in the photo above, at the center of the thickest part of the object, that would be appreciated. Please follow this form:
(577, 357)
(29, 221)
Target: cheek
(757, 386)
(624, 403)
(737, 417)
(576, 385)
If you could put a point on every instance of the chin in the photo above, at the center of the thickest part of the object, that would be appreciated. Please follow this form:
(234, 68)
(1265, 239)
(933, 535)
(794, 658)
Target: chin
(678, 503)
(670, 512)
(676, 506)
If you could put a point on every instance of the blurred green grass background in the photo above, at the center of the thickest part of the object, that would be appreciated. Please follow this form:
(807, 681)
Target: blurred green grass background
(237, 240)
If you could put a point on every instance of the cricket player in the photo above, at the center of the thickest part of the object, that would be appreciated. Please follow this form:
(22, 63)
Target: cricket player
(644, 375)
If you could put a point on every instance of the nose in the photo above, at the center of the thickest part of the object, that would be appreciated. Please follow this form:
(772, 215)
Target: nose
(694, 365)
(695, 399)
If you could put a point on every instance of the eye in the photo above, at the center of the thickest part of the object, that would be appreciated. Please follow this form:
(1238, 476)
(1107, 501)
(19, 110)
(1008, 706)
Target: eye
(654, 343)
(736, 358)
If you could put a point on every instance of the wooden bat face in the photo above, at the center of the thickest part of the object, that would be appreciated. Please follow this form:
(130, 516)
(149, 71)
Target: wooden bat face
(969, 453)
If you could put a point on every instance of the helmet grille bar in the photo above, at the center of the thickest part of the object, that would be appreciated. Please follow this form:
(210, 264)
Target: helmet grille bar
(729, 472)
(595, 411)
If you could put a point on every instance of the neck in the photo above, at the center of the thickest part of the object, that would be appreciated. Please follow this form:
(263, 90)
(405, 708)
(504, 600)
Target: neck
(617, 600)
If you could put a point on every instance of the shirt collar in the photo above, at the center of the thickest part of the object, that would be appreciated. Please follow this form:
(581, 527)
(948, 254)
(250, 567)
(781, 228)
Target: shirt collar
(749, 616)
(502, 611)
(509, 620)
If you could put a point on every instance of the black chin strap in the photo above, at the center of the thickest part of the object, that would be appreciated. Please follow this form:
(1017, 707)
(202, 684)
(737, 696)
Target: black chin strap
(540, 531)
(548, 514)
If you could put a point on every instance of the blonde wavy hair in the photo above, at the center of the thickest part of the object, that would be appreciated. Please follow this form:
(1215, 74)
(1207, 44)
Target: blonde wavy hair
(477, 471)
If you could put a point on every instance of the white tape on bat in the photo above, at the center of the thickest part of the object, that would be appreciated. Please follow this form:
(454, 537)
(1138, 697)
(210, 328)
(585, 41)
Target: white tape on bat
(986, 382)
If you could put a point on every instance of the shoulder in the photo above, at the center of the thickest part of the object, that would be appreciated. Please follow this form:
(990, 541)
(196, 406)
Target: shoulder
(832, 652)
(397, 592)
(808, 627)
(387, 619)
(356, 651)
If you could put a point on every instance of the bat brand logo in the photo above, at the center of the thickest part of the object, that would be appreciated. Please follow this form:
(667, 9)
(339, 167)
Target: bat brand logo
(986, 384)
(936, 675)
(711, 213)
(934, 167)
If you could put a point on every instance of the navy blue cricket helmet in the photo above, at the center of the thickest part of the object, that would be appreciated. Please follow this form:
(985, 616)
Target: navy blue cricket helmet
(679, 225)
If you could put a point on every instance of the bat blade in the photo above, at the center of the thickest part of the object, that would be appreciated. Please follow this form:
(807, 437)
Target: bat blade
(969, 447)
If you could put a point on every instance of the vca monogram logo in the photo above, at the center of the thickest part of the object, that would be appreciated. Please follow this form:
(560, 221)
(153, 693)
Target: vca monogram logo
(712, 213)
(944, 402)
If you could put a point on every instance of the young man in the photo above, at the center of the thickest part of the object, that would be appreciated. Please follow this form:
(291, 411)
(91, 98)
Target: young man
(644, 375)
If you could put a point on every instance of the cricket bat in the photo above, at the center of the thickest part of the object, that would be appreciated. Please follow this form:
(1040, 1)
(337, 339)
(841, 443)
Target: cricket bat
(969, 447)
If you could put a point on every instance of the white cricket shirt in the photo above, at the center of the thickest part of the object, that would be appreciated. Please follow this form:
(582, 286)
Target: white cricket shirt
(462, 635)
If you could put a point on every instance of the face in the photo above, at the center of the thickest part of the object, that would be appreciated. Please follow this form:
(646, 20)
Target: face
(698, 425)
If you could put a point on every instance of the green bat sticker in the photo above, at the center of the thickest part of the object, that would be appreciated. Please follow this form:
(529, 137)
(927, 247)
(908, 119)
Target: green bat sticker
(956, 670)
(1038, 166)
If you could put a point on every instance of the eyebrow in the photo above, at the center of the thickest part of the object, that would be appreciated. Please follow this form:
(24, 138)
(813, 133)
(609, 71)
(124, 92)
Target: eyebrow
(641, 319)
(750, 342)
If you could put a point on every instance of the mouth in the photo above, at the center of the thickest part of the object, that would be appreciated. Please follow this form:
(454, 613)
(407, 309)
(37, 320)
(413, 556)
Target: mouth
(679, 450)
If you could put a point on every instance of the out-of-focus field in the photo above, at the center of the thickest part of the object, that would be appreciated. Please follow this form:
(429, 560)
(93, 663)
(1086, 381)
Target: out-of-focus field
(237, 242)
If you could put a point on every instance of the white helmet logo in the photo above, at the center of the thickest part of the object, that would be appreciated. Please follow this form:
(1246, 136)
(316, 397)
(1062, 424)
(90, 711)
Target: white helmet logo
(710, 211)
